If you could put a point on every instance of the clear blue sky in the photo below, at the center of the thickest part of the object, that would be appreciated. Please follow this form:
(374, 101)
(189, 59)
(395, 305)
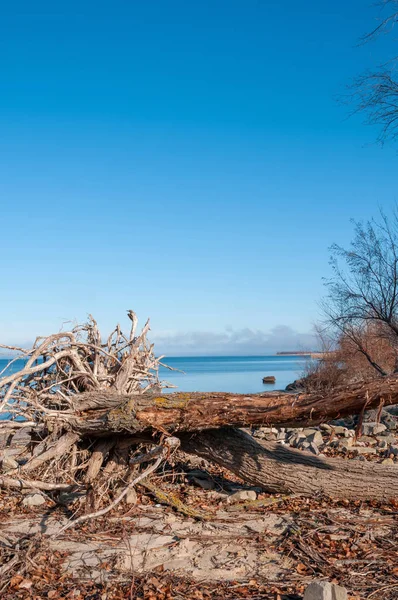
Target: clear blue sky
(184, 159)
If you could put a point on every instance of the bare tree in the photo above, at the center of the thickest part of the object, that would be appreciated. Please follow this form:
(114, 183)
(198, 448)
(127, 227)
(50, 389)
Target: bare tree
(375, 93)
(362, 300)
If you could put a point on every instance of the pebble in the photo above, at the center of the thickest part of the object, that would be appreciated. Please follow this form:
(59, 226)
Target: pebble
(33, 500)
(242, 495)
(8, 463)
(131, 496)
(387, 461)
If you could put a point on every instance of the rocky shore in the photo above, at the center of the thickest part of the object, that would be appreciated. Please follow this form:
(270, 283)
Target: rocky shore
(375, 439)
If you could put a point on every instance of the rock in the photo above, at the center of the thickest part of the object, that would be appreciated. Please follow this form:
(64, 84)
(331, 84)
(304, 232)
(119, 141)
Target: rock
(373, 428)
(309, 431)
(364, 450)
(364, 439)
(371, 416)
(304, 445)
(269, 379)
(346, 422)
(390, 422)
(295, 386)
(8, 463)
(340, 430)
(345, 444)
(242, 495)
(33, 500)
(296, 440)
(323, 590)
(314, 448)
(205, 484)
(387, 461)
(388, 439)
(393, 450)
(315, 437)
(131, 496)
(325, 427)
(268, 430)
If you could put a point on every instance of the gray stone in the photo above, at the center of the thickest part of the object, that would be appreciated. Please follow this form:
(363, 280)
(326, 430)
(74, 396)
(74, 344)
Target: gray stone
(343, 446)
(297, 440)
(309, 431)
(269, 430)
(270, 437)
(242, 495)
(373, 428)
(325, 427)
(340, 430)
(393, 450)
(346, 443)
(314, 448)
(364, 450)
(323, 590)
(315, 437)
(304, 445)
(364, 439)
(389, 439)
(33, 500)
(371, 416)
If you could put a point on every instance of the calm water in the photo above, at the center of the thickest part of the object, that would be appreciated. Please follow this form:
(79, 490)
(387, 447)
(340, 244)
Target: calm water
(237, 374)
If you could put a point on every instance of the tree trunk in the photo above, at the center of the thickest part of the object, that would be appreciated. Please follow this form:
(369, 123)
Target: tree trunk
(276, 468)
(104, 413)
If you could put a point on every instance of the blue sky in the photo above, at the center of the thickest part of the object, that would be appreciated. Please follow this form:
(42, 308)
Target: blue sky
(185, 159)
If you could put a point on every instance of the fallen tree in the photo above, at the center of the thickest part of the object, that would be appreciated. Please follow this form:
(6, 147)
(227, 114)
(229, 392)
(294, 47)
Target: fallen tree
(88, 406)
(99, 414)
(278, 469)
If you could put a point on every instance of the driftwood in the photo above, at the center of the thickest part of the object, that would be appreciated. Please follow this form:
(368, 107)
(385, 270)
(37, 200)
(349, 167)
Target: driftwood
(278, 469)
(86, 407)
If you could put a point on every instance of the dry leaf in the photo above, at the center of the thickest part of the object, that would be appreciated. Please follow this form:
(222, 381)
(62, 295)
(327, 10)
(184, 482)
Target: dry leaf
(301, 568)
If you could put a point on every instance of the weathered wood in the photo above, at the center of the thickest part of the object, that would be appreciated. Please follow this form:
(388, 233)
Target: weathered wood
(279, 469)
(105, 413)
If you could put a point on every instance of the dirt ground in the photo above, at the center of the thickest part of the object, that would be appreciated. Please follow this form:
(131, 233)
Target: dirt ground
(269, 548)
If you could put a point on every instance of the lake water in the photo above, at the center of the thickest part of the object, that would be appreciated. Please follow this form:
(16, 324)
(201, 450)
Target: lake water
(236, 374)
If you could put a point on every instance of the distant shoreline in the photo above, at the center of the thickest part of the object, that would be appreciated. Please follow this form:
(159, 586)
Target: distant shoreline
(315, 354)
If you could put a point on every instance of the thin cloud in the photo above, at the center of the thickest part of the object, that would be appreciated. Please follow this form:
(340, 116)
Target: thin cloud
(234, 342)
